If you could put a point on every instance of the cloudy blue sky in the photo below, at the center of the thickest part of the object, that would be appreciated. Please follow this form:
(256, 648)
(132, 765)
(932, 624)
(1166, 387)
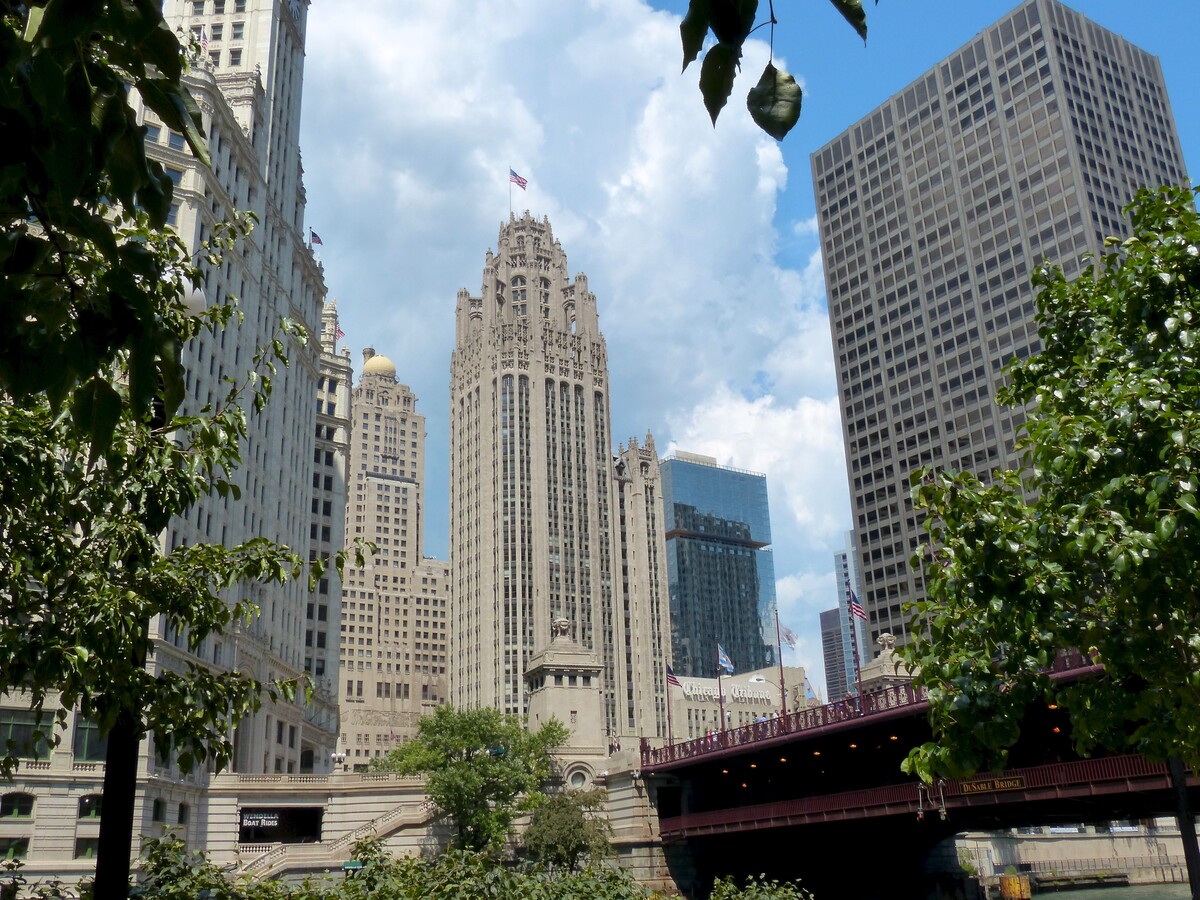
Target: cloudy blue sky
(699, 243)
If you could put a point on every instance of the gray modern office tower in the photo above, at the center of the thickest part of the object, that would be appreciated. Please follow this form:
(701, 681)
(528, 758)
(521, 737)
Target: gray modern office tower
(852, 634)
(549, 537)
(719, 568)
(934, 210)
(835, 652)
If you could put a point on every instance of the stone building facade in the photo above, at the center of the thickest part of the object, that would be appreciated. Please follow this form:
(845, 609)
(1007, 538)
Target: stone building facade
(536, 504)
(248, 87)
(394, 608)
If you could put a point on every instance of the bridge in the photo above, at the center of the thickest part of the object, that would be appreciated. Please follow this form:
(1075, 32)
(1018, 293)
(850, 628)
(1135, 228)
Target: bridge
(819, 792)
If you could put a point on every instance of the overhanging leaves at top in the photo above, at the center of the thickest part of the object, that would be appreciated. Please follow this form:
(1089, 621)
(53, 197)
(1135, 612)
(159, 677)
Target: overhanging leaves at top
(774, 103)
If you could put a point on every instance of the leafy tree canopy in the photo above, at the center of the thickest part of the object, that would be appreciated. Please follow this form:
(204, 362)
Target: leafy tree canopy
(482, 767)
(1095, 544)
(72, 151)
(774, 103)
(84, 574)
(568, 827)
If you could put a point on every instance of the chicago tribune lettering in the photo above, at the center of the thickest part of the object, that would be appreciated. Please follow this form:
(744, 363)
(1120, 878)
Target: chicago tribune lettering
(737, 694)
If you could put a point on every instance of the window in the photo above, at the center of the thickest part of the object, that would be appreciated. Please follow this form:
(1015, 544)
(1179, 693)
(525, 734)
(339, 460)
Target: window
(235, 57)
(239, 6)
(14, 848)
(185, 813)
(20, 727)
(237, 31)
(89, 806)
(86, 743)
(158, 811)
(214, 58)
(219, 7)
(217, 30)
(153, 133)
(85, 848)
(16, 806)
(175, 140)
(198, 7)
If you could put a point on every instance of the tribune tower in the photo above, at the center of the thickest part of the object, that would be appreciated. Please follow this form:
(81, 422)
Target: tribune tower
(537, 499)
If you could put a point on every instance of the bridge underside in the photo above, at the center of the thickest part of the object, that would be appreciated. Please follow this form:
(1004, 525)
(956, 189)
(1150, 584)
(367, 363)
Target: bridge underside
(830, 805)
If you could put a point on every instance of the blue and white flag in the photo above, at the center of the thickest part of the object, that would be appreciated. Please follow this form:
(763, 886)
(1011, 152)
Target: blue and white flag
(723, 660)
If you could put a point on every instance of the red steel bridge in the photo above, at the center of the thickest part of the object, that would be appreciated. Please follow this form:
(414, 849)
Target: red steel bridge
(819, 791)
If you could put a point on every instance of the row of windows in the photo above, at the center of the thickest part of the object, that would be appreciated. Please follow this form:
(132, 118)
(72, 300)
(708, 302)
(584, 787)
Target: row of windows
(18, 805)
(218, 6)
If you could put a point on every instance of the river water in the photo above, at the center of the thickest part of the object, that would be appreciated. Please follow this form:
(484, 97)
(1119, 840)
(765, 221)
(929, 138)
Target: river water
(1135, 892)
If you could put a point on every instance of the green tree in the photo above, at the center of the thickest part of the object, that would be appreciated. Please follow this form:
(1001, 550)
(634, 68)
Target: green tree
(568, 827)
(72, 151)
(760, 888)
(1105, 557)
(84, 575)
(483, 768)
(774, 103)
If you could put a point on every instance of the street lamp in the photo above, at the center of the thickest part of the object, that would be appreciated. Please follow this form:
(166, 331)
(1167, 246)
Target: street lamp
(337, 758)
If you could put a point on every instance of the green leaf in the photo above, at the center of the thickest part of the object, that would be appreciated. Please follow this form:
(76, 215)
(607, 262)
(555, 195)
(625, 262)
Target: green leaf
(852, 11)
(774, 102)
(716, 78)
(732, 20)
(692, 30)
(178, 110)
(1166, 527)
(96, 410)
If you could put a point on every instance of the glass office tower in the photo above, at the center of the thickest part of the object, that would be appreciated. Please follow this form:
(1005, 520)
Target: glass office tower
(719, 568)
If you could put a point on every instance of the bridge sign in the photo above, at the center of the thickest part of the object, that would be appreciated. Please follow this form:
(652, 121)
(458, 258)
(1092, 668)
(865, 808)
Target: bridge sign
(988, 785)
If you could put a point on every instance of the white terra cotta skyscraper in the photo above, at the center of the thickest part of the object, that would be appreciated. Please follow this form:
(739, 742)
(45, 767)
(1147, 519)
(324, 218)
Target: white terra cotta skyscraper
(550, 534)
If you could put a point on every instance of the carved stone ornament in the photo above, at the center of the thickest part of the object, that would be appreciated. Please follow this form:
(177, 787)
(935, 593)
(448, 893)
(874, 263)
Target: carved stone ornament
(887, 641)
(560, 628)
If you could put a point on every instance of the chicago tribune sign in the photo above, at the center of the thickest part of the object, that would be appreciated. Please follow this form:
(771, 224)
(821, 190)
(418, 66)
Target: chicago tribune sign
(738, 693)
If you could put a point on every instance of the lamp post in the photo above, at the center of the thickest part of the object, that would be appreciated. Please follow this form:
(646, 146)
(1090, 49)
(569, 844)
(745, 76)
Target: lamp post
(337, 758)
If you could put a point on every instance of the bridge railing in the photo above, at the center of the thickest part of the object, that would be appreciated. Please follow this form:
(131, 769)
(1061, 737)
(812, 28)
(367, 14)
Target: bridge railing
(813, 717)
(806, 719)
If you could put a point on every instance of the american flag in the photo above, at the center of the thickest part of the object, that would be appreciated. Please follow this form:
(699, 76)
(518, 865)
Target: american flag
(316, 238)
(338, 334)
(517, 179)
(204, 38)
(856, 607)
(672, 679)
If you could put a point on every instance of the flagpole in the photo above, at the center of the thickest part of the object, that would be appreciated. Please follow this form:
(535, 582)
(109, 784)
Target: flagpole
(670, 729)
(720, 690)
(510, 171)
(854, 644)
(779, 648)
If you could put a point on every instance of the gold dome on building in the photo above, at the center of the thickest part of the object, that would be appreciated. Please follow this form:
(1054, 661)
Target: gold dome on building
(377, 364)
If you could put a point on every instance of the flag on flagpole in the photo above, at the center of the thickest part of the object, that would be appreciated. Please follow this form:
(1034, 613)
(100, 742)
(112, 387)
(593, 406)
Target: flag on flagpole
(338, 334)
(809, 693)
(316, 238)
(517, 179)
(204, 38)
(672, 678)
(723, 660)
(789, 638)
(856, 607)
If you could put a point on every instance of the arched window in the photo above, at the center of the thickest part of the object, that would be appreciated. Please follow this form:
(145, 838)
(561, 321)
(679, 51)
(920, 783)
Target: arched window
(16, 806)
